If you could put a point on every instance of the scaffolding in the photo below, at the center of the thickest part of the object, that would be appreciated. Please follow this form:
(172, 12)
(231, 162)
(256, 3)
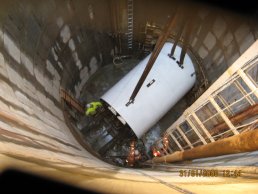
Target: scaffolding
(229, 107)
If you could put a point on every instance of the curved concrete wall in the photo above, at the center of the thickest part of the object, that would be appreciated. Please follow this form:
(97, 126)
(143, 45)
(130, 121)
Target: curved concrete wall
(45, 45)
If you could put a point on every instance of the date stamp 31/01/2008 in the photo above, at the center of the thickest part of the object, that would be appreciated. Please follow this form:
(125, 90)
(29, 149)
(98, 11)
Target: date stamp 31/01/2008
(209, 173)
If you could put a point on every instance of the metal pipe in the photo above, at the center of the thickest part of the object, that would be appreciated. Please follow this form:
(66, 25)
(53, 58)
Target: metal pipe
(249, 112)
(223, 115)
(179, 33)
(244, 142)
(161, 41)
(189, 29)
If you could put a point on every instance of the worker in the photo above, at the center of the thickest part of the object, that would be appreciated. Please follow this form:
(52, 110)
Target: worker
(156, 152)
(137, 155)
(92, 108)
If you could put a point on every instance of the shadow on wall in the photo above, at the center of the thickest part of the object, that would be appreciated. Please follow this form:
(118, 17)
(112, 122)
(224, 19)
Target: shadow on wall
(23, 182)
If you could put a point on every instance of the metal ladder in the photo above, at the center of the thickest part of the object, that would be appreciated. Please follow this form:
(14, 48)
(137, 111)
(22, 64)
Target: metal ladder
(130, 23)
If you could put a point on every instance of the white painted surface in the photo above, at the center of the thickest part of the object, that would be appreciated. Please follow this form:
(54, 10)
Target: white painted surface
(249, 54)
(151, 103)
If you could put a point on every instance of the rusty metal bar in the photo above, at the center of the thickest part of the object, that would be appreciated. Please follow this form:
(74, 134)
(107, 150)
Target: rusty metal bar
(224, 116)
(161, 41)
(179, 33)
(72, 101)
(243, 115)
(189, 29)
(244, 142)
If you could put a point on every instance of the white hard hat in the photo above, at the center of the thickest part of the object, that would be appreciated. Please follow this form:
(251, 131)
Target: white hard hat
(88, 105)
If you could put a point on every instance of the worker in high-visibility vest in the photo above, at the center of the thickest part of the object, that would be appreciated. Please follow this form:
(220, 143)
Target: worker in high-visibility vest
(156, 153)
(92, 108)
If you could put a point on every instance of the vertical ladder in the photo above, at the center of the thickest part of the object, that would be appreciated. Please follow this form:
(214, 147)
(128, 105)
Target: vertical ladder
(69, 99)
(130, 24)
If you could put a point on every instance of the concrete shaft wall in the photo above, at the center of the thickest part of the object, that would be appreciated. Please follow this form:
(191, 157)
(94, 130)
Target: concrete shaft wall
(45, 45)
(31, 73)
(219, 36)
(221, 39)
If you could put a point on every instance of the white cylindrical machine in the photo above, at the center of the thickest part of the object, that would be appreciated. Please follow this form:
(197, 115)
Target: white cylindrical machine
(164, 86)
